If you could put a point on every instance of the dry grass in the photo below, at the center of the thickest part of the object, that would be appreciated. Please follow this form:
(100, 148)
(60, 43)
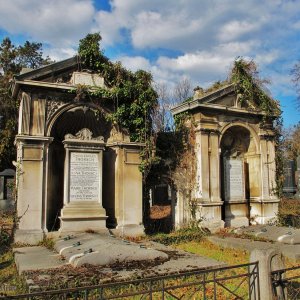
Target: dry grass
(208, 249)
(10, 282)
(160, 212)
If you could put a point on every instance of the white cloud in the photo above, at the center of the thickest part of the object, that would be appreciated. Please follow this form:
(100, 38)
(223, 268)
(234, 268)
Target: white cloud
(196, 38)
(234, 29)
(135, 63)
(57, 22)
(57, 54)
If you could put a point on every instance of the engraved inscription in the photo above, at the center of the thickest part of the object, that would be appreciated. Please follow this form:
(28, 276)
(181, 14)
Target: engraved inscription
(84, 177)
(234, 179)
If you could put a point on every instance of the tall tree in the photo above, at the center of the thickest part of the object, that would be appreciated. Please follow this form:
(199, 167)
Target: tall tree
(8, 54)
(30, 55)
(12, 59)
(183, 91)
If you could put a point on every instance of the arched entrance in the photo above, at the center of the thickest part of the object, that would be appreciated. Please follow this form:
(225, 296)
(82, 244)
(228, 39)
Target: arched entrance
(238, 184)
(70, 121)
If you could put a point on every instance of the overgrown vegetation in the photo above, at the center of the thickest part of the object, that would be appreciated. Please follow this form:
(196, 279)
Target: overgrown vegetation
(10, 282)
(182, 235)
(253, 94)
(288, 213)
(131, 94)
(291, 142)
(251, 88)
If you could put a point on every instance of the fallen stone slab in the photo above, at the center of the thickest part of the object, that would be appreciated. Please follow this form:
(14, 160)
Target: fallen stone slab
(280, 234)
(125, 260)
(36, 258)
(97, 249)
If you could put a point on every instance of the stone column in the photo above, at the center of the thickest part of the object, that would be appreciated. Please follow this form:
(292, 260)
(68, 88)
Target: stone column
(30, 187)
(215, 188)
(208, 178)
(128, 189)
(268, 260)
(265, 186)
(269, 200)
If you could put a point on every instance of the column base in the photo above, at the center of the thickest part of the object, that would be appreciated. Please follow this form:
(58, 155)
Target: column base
(213, 225)
(30, 237)
(236, 222)
(82, 216)
(131, 230)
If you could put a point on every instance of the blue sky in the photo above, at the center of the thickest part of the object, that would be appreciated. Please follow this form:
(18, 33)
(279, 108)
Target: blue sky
(174, 39)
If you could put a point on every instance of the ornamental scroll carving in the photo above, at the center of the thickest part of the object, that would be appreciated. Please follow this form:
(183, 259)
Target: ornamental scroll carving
(52, 106)
(84, 134)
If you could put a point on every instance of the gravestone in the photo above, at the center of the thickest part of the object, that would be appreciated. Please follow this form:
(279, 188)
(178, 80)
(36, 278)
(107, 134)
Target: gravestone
(7, 179)
(289, 185)
(234, 179)
(236, 206)
(297, 195)
(83, 208)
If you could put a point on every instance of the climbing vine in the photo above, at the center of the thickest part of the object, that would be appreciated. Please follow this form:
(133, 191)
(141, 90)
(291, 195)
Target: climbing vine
(251, 89)
(129, 93)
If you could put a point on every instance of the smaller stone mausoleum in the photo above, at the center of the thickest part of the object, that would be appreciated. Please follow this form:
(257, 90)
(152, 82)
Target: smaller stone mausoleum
(76, 171)
(235, 156)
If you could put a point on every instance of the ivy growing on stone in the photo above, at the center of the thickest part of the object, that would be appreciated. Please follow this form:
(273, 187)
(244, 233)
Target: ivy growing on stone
(130, 93)
(251, 89)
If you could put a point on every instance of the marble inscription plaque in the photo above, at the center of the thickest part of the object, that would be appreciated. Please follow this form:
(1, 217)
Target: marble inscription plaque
(84, 177)
(234, 179)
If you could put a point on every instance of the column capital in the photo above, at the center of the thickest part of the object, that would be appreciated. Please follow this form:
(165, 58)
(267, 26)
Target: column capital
(209, 131)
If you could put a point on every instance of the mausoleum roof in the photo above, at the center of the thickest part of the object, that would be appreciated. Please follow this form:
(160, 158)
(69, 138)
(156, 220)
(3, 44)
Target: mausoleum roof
(224, 99)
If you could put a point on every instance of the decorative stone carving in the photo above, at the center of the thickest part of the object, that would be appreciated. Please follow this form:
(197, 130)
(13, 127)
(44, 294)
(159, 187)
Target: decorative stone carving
(52, 106)
(117, 135)
(83, 134)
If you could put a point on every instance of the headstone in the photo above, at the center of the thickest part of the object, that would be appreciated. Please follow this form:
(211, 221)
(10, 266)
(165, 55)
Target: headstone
(234, 179)
(84, 177)
(297, 196)
(289, 185)
(83, 208)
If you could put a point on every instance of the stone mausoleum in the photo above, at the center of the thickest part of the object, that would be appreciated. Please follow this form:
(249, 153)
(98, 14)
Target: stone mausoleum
(76, 171)
(235, 158)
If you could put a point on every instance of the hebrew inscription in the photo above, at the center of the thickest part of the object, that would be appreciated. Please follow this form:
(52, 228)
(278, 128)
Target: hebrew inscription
(84, 177)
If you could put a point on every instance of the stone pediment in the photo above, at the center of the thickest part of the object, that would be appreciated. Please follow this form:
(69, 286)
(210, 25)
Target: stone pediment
(65, 74)
(52, 72)
(225, 96)
(223, 99)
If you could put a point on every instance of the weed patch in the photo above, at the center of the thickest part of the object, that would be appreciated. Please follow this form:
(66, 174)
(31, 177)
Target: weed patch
(179, 236)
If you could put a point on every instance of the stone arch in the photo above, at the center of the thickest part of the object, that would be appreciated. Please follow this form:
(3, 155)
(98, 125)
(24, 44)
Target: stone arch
(68, 119)
(66, 107)
(239, 165)
(244, 125)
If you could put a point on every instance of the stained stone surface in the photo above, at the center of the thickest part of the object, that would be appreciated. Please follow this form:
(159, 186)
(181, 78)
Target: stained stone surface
(284, 235)
(106, 250)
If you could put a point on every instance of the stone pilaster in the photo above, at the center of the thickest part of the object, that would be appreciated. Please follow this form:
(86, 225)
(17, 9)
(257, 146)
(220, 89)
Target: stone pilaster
(128, 188)
(31, 164)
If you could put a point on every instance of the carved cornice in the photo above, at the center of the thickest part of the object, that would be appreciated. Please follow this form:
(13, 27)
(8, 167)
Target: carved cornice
(209, 131)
